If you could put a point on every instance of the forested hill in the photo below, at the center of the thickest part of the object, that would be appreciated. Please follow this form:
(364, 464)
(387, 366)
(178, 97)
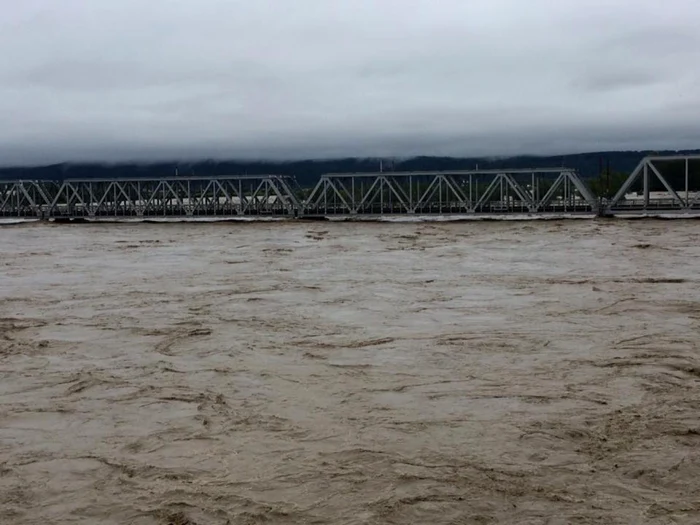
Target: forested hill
(308, 171)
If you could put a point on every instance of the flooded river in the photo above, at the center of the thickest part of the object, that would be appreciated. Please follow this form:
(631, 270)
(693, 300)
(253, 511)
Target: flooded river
(336, 373)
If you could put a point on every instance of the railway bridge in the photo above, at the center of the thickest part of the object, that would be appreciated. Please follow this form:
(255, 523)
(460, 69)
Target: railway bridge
(488, 193)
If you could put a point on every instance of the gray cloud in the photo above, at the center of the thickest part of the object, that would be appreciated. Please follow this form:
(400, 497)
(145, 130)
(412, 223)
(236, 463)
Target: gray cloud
(126, 79)
(622, 79)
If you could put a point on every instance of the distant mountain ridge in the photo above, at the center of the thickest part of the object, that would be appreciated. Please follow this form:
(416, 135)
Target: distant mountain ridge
(307, 172)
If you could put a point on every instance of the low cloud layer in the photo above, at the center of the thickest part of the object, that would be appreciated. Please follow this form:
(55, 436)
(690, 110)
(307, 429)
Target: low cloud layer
(178, 79)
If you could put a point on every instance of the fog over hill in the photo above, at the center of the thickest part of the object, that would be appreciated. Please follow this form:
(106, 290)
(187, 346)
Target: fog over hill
(307, 172)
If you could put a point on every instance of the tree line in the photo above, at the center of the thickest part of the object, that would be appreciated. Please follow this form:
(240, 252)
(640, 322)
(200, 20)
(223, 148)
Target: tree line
(604, 171)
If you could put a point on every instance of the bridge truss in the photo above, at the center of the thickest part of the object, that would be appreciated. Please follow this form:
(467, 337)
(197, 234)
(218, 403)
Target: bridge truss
(660, 184)
(270, 195)
(456, 192)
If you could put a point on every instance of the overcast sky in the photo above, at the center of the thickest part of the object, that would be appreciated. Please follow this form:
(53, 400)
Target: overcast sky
(185, 79)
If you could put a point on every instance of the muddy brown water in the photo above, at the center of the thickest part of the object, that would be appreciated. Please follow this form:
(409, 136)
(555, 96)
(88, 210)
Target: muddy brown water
(518, 373)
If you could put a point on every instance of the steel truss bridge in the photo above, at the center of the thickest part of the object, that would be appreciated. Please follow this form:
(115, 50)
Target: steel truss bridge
(144, 198)
(438, 193)
(548, 191)
(455, 192)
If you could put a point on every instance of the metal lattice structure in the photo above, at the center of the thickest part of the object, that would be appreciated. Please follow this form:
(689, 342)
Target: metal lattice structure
(660, 184)
(534, 191)
(270, 195)
(557, 190)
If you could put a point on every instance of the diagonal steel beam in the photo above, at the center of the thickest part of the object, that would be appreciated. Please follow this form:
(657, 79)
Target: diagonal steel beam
(201, 199)
(585, 192)
(668, 187)
(522, 194)
(101, 203)
(454, 186)
(398, 193)
(281, 194)
(317, 193)
(369, 193)
(284, 184)
(331, 183)
(489, 191)
(544, 201)
(9, 191)
(351, 194)
(428, 194)
(628, 183)
(227, 197)
(152, 198)
(174, 194)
